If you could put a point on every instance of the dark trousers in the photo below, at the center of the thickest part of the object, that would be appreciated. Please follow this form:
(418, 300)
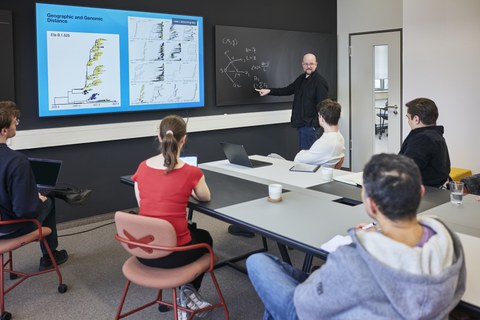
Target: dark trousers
(47, 218)
(307, 137)
(181, 258)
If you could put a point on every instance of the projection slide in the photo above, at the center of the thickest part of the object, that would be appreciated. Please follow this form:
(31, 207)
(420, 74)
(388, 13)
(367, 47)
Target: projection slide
(93, 60)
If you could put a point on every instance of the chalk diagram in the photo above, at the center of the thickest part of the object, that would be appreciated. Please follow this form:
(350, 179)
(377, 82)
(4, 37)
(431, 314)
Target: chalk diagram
(163, 61)
(83, 70)
(245, 66)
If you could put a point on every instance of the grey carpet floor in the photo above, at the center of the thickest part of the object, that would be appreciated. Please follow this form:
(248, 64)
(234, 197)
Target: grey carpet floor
(95, 281)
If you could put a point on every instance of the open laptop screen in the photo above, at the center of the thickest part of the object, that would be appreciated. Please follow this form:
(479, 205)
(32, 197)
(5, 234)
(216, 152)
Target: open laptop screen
(46, 171)
(191, 159)
(237, 154)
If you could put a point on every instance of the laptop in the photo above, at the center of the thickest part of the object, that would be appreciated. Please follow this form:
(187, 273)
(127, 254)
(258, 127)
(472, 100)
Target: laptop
(237, 154)
(191, 159)
(46, 172)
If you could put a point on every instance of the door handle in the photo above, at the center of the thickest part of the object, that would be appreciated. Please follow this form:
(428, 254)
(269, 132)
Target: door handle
(395, 107)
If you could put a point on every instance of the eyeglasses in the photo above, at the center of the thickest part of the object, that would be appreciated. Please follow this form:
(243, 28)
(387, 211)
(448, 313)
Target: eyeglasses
(305, 64)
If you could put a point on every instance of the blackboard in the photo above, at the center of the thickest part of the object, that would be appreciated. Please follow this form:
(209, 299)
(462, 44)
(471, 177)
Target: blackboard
(249, 58)
(7, 87)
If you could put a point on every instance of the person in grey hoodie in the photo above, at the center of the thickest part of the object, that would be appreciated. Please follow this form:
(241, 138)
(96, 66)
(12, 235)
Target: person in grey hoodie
(408, 268)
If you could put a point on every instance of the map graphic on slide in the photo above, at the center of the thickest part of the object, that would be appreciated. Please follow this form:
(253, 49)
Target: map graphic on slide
(83, 70)
(163, 61)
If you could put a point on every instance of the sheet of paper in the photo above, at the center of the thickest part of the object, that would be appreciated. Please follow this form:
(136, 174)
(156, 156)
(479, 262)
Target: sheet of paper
(355, 179)
(336, 242)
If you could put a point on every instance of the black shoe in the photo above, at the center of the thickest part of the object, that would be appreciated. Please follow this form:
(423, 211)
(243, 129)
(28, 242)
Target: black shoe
(73, 197)
(60, 257)
(237, 231)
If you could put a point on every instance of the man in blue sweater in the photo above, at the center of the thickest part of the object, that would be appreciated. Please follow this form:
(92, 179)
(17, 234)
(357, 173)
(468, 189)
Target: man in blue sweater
(19, 197)
(410, 268)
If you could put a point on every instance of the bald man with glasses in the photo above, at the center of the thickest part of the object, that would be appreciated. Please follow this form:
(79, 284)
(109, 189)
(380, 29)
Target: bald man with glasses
(309, 89)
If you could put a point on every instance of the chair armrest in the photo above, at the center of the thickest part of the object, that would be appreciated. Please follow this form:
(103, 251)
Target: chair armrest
(34, 221)
(166, 248)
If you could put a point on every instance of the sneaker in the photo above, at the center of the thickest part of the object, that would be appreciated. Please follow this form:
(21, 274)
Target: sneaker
(60, 257)
(182, 315)
(193, 300)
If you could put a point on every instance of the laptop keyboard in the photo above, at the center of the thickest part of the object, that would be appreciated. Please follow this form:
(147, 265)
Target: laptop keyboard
(258, 163)
(44, 191)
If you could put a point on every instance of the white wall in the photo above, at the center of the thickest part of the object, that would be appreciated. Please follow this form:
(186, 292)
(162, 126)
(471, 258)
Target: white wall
(354, 17)
(42, 138)
(441, 61)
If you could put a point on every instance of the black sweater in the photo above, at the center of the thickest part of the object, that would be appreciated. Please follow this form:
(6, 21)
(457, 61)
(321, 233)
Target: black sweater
(308, 93)
(427, 147)
(18, 192)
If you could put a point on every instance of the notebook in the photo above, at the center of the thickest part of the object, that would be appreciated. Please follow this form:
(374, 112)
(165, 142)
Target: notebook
(46, 172)
(355, 179)
(237, 154)
(303, 167)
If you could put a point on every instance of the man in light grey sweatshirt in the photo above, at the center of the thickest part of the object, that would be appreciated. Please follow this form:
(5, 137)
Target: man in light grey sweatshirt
(408, 268)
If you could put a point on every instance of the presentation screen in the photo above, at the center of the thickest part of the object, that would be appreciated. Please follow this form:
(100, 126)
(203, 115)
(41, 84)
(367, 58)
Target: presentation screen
(93, 60)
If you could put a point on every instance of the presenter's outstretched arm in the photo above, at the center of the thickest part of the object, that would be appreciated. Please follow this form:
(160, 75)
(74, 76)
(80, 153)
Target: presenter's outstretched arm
(263, 92)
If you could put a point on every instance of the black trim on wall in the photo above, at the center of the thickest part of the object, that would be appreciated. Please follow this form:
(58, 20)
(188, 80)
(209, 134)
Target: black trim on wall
(98, 166)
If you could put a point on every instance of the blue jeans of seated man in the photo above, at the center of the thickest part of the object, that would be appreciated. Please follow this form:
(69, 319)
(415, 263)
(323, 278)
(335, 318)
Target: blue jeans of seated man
(307, 136)
(275, 282)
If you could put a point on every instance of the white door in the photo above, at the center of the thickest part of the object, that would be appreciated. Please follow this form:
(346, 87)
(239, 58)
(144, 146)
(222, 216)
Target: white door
(375, 95)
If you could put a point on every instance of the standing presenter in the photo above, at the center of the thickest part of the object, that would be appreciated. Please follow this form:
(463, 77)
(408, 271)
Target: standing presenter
(308, 89)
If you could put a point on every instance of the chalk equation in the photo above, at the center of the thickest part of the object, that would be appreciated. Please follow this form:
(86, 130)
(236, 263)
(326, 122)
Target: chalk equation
(241, 65)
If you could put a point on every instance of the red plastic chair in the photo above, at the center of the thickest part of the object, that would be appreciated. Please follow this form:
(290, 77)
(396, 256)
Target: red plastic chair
(152, 238)
(7, 246)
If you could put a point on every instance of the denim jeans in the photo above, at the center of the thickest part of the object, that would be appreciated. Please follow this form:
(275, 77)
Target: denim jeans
(307, 136)
(275, 283)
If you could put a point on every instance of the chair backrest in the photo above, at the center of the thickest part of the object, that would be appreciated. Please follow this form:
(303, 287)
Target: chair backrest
(339, 164)
(472, 183)
(145, 230)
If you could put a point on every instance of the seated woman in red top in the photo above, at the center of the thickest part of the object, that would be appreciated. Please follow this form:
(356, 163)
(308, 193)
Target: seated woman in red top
(163, 185)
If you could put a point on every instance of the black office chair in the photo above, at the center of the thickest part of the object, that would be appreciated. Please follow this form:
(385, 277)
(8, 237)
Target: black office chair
(472, 184)
(382, 127)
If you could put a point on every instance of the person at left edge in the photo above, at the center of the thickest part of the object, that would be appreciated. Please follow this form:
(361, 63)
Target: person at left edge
(19, 197)
(309, 89)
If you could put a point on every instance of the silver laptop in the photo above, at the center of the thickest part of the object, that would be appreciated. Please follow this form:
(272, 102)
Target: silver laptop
(46, 172)
(237, 154)
(191, 159)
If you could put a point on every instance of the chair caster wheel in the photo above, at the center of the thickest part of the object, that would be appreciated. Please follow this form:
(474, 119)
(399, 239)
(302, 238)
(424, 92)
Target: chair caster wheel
(6, 316)
(13, 276)
(62, 288)
(163, 308)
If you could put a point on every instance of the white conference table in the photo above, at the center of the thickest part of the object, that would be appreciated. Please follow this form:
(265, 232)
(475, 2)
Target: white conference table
(307, 218)
(278, 172)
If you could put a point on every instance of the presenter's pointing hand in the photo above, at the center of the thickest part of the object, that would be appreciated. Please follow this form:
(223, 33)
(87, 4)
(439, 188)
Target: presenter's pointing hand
(263, 92)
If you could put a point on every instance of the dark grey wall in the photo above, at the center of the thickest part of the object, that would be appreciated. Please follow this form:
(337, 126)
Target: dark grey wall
(99, 165)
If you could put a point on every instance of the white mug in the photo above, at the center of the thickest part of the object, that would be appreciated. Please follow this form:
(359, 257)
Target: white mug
(327, 174)
(275, 191)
